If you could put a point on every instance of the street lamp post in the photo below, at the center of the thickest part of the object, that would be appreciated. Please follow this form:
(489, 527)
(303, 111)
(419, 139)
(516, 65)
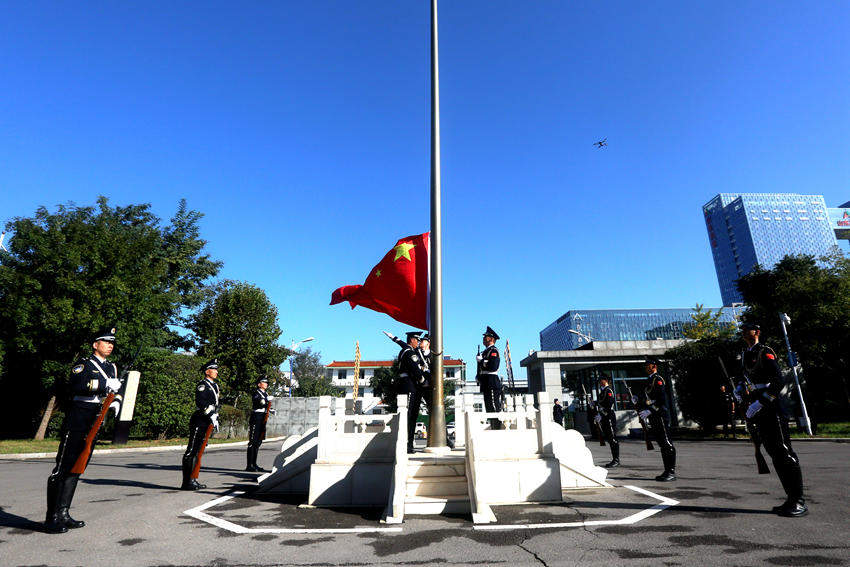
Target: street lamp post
(784, 319)
(292, 348)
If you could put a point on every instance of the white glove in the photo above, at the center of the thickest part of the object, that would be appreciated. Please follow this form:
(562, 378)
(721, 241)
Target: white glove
(739, 393)
(214, 419)
(113, 384)
(754, 408)
(644, 414)
(115, 406)
(479, 358)
(272, 411)
(635, 400)
(738, 397)
(597, 419)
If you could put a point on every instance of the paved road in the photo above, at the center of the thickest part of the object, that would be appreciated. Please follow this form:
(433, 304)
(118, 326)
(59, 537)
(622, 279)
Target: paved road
(135, 516)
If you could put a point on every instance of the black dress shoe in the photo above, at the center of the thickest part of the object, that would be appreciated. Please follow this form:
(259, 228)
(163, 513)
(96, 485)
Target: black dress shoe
(666, 476)
(251, 469)
(613, 464)
(795, 509)
(260, 469)
(193, 485)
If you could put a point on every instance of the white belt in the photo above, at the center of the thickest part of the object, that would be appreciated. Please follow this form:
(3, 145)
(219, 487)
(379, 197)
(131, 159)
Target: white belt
(490, 373)
(92, 399)
(403, 374)
(760, 386)
(259, 411)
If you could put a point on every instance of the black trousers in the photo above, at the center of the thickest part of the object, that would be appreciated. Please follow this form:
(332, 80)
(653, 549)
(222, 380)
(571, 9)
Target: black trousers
(609, 432)
(78, 422)
(197, 442)
(729, 423)
(659, 425)
(414, 403)
(256, 434)
(773, 428)
(492, 403)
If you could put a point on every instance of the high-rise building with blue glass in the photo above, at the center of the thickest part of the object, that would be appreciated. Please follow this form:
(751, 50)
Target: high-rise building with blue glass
(746, 229)
(578, 327)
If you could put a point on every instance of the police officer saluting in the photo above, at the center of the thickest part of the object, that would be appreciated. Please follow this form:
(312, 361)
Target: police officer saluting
(261, 408)
(487, 375)
(412, 382)
(761, 384)
(201, 425)
(655, 408)
(92, 380)
(606, 419)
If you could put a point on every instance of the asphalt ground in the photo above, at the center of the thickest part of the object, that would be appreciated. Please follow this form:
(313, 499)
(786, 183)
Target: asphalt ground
(137, 516)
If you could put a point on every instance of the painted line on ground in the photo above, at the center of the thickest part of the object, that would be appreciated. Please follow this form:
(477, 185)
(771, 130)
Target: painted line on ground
(633, 519)
(199, 514)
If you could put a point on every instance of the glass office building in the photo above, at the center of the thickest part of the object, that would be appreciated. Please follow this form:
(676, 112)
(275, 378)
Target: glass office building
(745, 229)
(578, 327)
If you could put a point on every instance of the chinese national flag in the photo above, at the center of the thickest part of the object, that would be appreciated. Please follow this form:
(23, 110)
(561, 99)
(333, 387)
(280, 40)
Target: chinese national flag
(398, 285)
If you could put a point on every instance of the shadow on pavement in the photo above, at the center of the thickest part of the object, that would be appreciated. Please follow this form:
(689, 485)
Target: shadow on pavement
(8, 520)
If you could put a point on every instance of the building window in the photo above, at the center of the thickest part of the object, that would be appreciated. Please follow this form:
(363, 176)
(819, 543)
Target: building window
(341, 374)
(450, 373)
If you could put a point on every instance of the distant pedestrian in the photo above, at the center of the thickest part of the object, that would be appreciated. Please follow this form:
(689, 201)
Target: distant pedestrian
(92, 380)
(558, 413)
(201, 425)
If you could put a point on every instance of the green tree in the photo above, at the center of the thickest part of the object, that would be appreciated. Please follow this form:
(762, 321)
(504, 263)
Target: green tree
(238, 326)
(166, 395)
(705, 324)
(386, 385)
(73, 271)
(816, 295)
(309, 374)
(697, 374)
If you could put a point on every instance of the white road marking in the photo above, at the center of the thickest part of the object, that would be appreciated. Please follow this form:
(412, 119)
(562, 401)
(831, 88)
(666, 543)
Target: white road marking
(199, 514)
(633, 519)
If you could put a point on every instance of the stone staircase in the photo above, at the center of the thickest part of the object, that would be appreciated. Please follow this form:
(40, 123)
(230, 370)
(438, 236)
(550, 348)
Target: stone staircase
(436, 484)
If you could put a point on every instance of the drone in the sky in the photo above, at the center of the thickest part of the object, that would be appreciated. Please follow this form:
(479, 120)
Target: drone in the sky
(601, 143)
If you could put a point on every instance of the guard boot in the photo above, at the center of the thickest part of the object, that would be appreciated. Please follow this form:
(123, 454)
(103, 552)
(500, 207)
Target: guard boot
(669, 473)
(190, 483)
(67, 495)
(52, 523)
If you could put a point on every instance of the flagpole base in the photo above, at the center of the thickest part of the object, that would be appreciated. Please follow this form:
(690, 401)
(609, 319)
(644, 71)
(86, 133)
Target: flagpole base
(438, 450)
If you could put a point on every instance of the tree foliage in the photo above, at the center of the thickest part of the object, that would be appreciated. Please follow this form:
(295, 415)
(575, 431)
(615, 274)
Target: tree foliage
(166, 395)
(386, 385)
(71, 272)
(705, 324)
(816, 296)
(697, 374)
(309, 373)
(238, 326)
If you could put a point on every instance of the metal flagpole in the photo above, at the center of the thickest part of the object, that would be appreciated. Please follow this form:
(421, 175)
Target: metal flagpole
(437, 418)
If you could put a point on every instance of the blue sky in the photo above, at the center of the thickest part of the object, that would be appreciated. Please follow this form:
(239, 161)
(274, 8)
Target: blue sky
(301, 130)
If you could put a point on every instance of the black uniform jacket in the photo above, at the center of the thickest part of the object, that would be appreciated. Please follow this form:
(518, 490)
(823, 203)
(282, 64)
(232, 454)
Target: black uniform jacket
(409, 362)
(87, 381)
(655, 395)
(760, 365)
(206, 402)
(606, 401)
(487, 376)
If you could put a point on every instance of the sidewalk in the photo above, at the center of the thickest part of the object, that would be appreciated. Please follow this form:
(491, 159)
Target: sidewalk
(52, 454)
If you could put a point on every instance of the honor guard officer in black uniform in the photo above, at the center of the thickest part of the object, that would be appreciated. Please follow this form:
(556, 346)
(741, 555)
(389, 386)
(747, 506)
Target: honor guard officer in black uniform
(761, 385)
(261, 408)
(92, 379)
(488, 376)
(655, 409)
(425, 364)
(201, 424)
(606, 419)
(412, 382)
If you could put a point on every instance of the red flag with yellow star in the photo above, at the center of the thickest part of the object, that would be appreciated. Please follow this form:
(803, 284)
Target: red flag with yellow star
(398, 285)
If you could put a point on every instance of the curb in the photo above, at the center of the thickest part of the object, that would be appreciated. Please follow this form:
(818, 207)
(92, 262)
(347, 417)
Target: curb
(25, 456)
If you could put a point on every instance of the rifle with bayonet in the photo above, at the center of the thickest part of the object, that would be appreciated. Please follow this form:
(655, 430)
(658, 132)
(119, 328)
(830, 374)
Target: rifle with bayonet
(591, 417)
(643, 423)
(752, 428)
